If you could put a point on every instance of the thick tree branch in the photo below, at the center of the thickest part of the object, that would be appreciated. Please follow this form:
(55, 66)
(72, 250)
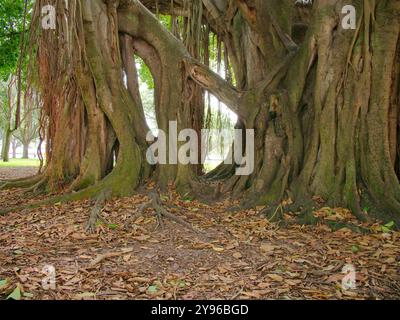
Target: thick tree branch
(212, 82)
(137, 21)
(260, 13)
(212, 8)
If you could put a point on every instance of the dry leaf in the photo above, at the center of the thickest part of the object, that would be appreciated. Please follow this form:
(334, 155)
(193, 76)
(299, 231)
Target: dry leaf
(275, 277)
(237, 255)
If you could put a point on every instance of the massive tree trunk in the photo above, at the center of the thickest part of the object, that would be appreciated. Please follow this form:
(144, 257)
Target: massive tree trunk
(325, 116)
(323, 100)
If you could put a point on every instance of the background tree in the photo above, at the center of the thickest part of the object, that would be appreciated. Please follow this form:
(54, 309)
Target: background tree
(7, 108)
(12, 26)
(15, 144)
(28, 130)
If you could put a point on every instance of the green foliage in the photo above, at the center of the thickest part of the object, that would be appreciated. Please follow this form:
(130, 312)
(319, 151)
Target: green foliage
(3, 283)
(387, 227)
(16, 294)
(145, 74)
(165, 21)
(152, 289)
(11, 26)
(112, 226)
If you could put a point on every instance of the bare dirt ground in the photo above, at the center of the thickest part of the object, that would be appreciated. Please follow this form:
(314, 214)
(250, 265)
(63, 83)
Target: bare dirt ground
(227, 256)
(17, 173)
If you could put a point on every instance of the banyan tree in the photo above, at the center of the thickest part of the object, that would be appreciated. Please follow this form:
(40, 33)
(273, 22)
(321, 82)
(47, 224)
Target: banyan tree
(322, 98)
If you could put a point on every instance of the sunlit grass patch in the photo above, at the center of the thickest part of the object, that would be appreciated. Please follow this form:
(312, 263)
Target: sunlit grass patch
(20, 163)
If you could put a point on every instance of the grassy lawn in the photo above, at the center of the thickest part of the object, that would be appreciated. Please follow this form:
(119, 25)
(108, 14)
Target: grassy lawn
(20, 163)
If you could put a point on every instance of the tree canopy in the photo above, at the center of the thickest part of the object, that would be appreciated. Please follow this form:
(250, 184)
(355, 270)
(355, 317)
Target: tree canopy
(11, 27)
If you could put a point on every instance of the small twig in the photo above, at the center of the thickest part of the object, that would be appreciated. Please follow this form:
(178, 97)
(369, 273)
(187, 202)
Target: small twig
(237, 294)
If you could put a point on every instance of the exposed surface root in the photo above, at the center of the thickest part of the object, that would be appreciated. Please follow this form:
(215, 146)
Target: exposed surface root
(156, 204)
(273, 214)
(84, 194)
(95, 213)
(108, 255)
(20, 183)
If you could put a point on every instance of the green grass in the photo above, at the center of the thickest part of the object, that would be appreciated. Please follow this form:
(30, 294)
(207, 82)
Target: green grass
(19, 163)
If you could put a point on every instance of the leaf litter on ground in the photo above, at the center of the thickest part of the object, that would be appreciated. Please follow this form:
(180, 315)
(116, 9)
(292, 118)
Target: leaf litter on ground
(238, 255)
